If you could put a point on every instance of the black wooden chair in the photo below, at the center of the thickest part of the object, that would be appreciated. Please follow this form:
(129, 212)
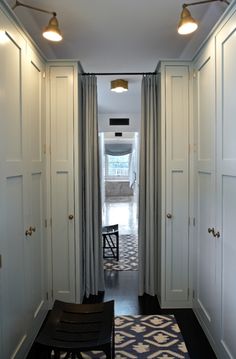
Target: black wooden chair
(71, 329)
(110, 235)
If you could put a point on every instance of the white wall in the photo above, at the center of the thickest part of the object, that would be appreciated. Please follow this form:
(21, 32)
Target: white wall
(134, 123)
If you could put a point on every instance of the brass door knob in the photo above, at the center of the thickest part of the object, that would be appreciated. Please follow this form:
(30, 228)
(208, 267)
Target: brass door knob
(28, 232)
(71, 217)
(211, 230)
(169, 215)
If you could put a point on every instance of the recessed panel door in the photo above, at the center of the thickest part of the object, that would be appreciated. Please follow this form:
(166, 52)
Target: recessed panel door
(36, 248)
(177, 186)
(13, 192)
(205, 245)
(62, 183)
(226, 184)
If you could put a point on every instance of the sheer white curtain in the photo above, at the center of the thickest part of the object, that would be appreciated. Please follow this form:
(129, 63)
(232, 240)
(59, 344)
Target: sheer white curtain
(148, 181)
(90, 195)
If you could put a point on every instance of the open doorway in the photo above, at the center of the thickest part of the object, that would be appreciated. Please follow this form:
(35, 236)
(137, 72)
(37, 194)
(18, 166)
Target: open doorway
(119, 119)
(120, 156)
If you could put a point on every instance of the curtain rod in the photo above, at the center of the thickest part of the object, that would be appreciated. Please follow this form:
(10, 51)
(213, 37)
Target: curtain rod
(118, 73)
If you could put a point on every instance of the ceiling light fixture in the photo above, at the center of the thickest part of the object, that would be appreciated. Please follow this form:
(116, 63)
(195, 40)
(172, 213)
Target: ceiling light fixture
(119, 86)
(187, 23)
(52, 31)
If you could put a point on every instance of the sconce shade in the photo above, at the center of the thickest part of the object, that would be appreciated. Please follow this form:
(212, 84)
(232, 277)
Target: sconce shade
(187, 23)
(119, 86)
(52, 31)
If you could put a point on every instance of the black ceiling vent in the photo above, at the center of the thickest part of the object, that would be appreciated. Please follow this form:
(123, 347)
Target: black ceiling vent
(119, 121)
(118, 134)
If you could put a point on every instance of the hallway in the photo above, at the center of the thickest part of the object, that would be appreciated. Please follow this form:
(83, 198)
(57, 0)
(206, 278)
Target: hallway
(121, 210)
(122, 286)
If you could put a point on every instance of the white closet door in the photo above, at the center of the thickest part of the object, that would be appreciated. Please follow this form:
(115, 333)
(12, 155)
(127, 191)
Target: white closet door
(226, 182)
(177, 143)
(35, 157)
(14, 185)
(205, 249)
(62, 182)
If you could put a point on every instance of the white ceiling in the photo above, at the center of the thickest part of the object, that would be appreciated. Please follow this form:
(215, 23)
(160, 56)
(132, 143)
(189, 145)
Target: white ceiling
(118, 36)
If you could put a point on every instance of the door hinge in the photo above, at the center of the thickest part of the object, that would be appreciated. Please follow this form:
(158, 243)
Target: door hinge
(188, 292)
(45, 223)
(0, 261)
(194, 73)
(194, 221)
(44, 75)
(189, 221)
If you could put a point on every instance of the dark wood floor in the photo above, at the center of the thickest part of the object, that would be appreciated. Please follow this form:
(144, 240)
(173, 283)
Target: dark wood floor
(123, 288)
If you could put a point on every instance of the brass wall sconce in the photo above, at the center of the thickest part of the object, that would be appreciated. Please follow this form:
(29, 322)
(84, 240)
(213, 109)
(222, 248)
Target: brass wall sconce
(51, 31)
(187, 23)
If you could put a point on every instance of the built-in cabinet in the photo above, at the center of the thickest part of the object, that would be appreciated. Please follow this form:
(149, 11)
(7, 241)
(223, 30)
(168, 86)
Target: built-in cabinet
(23, 267)
(174, 119)
(215, 188)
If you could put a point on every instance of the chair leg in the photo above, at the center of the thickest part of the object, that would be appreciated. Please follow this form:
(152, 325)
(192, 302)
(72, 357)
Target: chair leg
(117, 247)
(108, 352)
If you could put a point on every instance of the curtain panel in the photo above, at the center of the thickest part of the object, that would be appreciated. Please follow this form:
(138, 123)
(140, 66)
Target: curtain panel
(90, 193)
(148, 187)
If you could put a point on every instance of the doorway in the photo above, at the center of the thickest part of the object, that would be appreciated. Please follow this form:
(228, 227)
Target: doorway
(120, 199)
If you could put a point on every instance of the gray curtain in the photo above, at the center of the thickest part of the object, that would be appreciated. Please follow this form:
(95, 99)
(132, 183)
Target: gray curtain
(91, 256)
(148, 181)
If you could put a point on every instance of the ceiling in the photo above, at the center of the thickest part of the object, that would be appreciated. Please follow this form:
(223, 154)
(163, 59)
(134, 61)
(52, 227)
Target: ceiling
(118, 36)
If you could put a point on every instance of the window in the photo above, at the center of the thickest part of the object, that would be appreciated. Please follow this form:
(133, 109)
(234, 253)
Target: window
(117, 166)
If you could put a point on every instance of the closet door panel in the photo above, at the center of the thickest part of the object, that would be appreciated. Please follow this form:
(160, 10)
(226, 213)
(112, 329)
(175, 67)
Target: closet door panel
(206, 250)
(37, 248)
(177, 247)
(229, 264)
(35, 165)
(205, 280)
(11, 54)
(226, 182)
(14, 266)
(14, 186)
(63, 242)
(35, 110)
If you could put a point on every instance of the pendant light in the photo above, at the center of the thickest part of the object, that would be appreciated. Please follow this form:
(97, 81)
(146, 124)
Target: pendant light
(119, 86)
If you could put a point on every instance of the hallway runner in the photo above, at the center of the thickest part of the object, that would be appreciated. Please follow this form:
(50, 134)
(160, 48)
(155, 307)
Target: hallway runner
(128, 260)
(146, 337)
